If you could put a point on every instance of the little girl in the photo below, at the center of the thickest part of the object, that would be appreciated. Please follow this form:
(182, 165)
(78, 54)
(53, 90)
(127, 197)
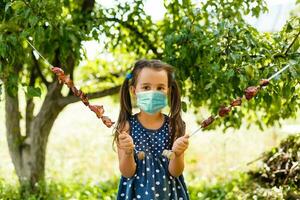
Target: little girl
(152, 85)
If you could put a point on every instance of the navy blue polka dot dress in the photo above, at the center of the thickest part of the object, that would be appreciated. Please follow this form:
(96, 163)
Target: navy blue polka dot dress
(151, 180)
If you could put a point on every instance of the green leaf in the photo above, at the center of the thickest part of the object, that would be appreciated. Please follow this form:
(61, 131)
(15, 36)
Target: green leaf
(7, 6)
(289, 28)
(33, 92)
(16, 5)
(184, 106)
(33, 20)
(209, 85)
(2, 50)
(230, 73)
(12, 85)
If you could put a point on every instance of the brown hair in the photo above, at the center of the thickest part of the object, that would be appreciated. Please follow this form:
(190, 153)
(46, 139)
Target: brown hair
(174, 98)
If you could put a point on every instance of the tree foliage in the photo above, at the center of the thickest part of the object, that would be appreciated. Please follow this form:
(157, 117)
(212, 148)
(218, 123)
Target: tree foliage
(216, 53)
(50, 26)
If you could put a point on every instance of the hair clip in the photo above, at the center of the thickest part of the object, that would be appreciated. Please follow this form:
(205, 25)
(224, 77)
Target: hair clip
(129, 75)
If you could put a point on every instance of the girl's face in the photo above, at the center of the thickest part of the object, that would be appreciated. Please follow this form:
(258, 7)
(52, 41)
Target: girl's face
(151, 79)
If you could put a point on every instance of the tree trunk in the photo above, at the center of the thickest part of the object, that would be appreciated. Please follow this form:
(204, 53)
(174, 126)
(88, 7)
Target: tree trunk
(28, 152)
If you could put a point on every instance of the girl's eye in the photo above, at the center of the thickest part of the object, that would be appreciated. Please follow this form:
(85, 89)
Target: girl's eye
(146, 87)
(161, 88)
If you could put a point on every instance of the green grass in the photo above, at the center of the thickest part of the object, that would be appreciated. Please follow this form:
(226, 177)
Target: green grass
(67, 189)
(239, 187)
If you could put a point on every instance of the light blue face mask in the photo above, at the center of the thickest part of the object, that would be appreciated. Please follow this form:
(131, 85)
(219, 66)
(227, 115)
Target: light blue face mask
(151, 101)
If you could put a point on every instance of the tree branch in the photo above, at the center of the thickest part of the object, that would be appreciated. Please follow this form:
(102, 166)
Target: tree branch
(37, 67)
(290, 46)
(87, 6)
(72, 99)
(137, 33)
(71, 66)
(29, 104)
(13, 130)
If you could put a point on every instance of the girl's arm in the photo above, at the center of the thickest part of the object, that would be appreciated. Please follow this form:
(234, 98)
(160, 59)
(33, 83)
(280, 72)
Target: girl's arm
(176, 166)
(127, 163)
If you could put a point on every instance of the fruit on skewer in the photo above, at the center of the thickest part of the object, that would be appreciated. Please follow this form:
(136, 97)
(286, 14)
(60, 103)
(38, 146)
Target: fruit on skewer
(236, 102)
(263, 82)
(168, 154)
(251, 92)
(207, 122)
(223, 111)
(141, 155)
(95, 108)
(98, 110)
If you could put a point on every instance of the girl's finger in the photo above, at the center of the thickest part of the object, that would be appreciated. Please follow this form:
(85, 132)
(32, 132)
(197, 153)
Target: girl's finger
(125, 137)
(179, 147)
(127, 145)
(183, 145)
(124, 132)
(122, 137)
(185, 141)
(127, 140)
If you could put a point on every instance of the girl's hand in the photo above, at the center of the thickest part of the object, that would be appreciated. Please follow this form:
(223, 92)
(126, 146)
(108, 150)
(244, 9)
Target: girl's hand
(180, 145)
(125, 142)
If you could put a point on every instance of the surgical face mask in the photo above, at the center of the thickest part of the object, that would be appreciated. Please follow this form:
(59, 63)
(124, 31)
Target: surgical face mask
(151, 101)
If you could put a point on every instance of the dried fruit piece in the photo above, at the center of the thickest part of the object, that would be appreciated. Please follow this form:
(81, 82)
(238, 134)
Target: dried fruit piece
(168, 154)
(141, 155)
(263, 82)
(223, 111)
(74, 90)
(236, 102)
(84, 99)
(77, 92)
(57, 70)
(97, 109)
(107, 121)
(207, 122)
(61, 78)
(250, 92)
(68, 81)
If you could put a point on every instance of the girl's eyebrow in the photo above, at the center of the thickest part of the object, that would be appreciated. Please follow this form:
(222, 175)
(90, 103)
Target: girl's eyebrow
(160, 84)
